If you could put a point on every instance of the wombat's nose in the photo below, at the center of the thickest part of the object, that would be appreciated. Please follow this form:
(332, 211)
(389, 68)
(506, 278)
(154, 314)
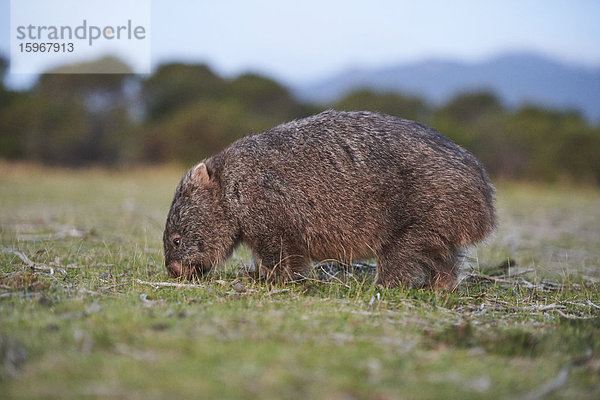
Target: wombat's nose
(175, 269)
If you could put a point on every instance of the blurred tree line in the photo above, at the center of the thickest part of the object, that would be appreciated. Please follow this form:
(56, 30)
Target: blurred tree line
(183, 113)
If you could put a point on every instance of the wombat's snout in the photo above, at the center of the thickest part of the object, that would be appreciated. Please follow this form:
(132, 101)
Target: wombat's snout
(175, 269)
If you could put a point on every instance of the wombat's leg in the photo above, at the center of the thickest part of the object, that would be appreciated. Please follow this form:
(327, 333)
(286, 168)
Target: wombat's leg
(418, 260)
(446, 274)
(281, 263)
(398, 265)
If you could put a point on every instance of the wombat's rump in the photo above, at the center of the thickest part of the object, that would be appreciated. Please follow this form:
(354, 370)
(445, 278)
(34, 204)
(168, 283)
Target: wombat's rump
(337, 185)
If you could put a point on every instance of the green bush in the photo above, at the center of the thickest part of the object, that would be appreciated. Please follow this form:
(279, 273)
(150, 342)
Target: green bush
(185, 112)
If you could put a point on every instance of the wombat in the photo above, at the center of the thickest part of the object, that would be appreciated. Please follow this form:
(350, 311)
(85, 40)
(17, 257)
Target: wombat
(337, 185)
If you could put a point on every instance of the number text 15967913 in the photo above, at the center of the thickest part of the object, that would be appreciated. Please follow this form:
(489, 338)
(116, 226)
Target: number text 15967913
(46, 47)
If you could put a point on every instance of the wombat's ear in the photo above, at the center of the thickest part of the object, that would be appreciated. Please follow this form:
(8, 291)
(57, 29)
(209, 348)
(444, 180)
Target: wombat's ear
(200, 175)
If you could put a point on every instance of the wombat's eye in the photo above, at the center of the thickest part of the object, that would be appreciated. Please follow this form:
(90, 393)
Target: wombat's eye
(176, 241)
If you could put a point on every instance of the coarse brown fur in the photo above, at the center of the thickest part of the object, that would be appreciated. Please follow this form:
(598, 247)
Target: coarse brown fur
(337, 185)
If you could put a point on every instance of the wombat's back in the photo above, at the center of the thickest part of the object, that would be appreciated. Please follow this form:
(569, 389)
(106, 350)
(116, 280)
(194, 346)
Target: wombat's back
(347, 184)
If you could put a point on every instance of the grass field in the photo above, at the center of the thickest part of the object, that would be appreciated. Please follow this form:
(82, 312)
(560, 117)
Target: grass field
(78, 318)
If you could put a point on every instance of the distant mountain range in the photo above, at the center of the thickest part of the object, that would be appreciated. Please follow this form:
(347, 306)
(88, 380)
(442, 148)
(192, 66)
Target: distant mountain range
(517, 79)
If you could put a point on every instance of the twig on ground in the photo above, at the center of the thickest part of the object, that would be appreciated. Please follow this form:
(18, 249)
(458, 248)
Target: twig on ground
(571, 316)
(31, 264)
(136, 354)
(170, 284)
(144, 298)
(276, 291)
(335, 277)
(591, 303)
(506, 278)
(17, 253)
(87, 291)
(587, 304)
(113, 286)
(526, 283)
(559, 381)
(50, 270)
(477, 275)
(517, 273)
(545, 307)
(100, 264)
(303, 278)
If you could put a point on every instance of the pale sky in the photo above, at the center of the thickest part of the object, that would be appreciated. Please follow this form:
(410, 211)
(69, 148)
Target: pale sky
(312, 39)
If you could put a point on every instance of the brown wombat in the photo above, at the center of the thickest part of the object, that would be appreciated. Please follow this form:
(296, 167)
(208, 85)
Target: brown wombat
(337, 185)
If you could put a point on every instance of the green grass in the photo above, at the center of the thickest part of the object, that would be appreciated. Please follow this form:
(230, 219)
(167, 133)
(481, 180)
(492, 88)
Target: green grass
(94, 331)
